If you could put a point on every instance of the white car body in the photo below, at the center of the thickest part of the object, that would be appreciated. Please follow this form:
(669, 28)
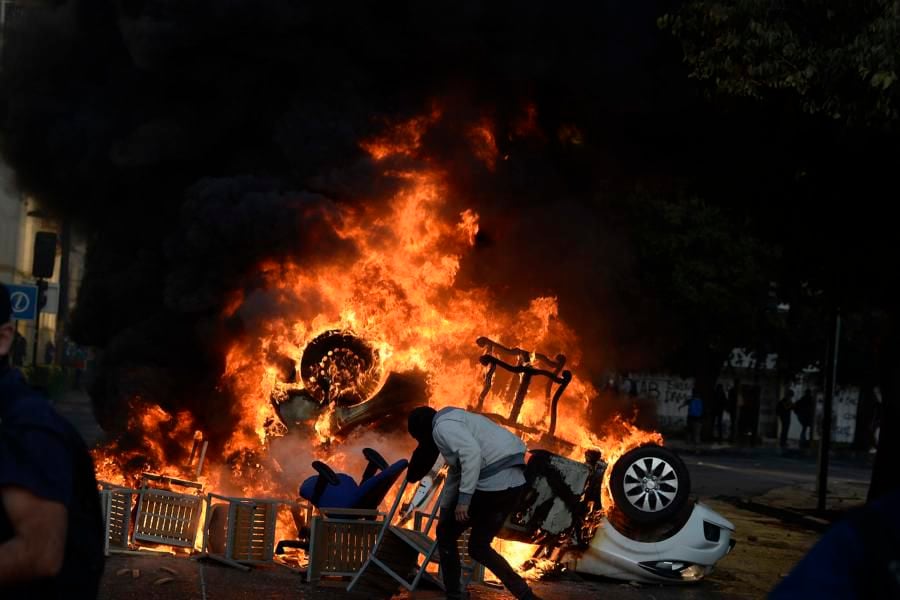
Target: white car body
(688, 555)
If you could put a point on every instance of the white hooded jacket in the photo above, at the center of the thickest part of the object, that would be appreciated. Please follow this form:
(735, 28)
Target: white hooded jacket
(481, 454)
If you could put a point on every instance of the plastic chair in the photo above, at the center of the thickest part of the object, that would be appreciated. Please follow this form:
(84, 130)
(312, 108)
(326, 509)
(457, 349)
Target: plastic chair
(339, 490)
(401, 556)
(340, 537)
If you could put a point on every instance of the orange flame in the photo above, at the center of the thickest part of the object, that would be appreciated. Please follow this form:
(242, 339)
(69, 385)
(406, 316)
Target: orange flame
(399, 291)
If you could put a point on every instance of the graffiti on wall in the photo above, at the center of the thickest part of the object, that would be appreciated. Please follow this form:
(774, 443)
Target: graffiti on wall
(670, 393)
(746, 359)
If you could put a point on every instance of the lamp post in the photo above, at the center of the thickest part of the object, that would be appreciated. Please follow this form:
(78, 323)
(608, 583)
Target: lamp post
(43, 266)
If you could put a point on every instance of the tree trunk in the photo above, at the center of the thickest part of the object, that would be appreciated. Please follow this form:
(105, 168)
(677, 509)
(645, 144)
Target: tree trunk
(862, 435)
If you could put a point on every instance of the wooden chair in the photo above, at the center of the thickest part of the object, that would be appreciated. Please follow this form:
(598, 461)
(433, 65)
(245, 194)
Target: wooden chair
(340, 541)
(167, 517)
(524, 370)
(240, 531)
(117, 503)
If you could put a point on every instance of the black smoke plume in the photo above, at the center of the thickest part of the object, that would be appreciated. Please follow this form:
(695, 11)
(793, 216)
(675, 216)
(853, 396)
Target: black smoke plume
(192, 139)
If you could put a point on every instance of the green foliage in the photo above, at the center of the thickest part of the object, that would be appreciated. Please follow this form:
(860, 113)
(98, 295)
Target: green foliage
(837, 58)
(707, 271)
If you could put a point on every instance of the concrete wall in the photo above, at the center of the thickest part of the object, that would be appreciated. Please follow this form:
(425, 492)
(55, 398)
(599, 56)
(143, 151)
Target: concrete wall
(843, 418)
(11, 215)
(669, 393)
(17, 231)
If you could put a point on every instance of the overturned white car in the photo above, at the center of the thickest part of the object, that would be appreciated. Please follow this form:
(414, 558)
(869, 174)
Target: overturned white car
(654, 532)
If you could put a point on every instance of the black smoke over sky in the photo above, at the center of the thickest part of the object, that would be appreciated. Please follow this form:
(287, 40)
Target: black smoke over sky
(191, 139)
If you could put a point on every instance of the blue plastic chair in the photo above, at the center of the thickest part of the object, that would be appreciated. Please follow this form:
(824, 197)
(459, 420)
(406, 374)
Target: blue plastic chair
(339, 490)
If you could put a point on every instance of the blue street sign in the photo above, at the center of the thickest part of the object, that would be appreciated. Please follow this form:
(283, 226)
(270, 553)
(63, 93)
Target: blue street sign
(24, 301)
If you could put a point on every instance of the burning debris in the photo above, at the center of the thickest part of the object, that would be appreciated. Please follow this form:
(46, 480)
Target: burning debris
(335, 354)
(311, 254)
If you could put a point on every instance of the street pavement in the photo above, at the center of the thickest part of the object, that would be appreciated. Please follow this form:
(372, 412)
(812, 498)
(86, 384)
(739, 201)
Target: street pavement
(767, 494)
(768, 544)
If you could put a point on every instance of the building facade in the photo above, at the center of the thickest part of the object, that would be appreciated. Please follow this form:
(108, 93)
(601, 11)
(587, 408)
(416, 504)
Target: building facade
(21, 218)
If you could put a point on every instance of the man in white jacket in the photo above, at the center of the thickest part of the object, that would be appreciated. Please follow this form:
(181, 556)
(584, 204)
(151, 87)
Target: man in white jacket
(486, 477)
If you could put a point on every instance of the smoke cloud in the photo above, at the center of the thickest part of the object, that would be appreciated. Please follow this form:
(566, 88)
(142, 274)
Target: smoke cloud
(191, 140)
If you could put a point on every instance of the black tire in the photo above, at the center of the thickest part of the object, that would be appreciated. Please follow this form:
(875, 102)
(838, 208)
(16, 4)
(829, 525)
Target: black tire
(650, 484)
(352, 361)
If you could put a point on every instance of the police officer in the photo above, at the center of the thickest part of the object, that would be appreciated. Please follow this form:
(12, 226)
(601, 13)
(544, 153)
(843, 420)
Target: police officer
(51, 527)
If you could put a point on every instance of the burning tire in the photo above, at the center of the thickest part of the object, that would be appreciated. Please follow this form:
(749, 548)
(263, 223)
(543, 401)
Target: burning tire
(650, 485)
(338, 366)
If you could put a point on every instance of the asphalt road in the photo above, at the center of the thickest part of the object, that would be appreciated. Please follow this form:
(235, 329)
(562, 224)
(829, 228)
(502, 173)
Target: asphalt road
(766, 549)
(717, 474)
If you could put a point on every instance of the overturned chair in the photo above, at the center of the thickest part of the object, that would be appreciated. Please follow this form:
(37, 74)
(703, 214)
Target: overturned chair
(404, 557)
(344, 531)
(240, 532)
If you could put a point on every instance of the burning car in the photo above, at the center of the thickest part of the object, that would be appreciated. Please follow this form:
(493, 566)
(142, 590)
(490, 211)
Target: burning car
(319, 350)
(653, 533)
(648, 529)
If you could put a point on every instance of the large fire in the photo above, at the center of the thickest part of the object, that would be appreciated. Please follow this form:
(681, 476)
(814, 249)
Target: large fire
(399, 290)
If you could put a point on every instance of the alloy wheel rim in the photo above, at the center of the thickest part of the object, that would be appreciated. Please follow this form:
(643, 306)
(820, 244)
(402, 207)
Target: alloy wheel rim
(650, 484)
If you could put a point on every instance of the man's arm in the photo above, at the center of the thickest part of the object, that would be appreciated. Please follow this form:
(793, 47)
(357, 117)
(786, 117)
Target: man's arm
(38, 546)
(452, 437)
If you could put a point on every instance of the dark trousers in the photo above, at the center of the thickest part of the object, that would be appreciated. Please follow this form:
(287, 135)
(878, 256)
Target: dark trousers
(487, 512)
(694, 426)
(718, 426)
(785, 425)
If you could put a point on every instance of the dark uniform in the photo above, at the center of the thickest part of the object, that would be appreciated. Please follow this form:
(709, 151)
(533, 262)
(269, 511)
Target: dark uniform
(42, 453)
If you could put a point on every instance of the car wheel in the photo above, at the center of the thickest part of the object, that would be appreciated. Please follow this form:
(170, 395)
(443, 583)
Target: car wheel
(649, 484)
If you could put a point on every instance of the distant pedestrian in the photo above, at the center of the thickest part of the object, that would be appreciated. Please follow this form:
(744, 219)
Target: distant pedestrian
(875, 428)
(49, 353)
(805, 408)
(695, 416)
(19, 350)
(720, 401)
(783, 410)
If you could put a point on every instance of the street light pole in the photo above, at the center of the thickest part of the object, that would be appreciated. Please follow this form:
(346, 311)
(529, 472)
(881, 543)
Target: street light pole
(825, 443)
(62, 311)
(41, 288)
